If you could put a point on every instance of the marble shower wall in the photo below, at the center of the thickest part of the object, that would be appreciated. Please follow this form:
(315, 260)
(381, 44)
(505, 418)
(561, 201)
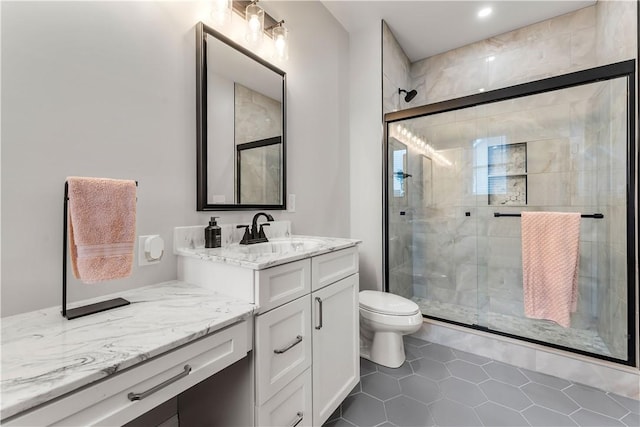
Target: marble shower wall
(395, 72)
(600, 34)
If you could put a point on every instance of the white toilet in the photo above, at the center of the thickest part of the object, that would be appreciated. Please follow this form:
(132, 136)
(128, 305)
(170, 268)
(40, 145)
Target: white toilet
(384, 319)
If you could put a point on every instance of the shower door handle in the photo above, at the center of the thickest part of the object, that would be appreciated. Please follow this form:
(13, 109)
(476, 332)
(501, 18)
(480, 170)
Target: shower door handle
(319, 301)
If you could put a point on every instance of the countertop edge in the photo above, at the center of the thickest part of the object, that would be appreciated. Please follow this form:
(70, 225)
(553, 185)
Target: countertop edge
(212, 256)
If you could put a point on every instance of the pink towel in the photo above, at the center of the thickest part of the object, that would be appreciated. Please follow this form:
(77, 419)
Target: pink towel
(550, 255)
(102, 227)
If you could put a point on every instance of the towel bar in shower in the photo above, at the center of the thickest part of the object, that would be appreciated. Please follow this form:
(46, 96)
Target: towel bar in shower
(595, 215)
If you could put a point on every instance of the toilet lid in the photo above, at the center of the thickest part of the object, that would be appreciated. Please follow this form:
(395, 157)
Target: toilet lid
(386, 303)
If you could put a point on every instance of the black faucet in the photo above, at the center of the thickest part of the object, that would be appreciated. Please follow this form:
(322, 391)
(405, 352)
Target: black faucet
(256, 235)
(259, 234)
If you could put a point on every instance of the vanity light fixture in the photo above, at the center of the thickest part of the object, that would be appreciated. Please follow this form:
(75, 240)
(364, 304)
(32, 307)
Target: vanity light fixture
(280, 36)
(484, 12)
(258, 23)
(254, 15)
(221, 11)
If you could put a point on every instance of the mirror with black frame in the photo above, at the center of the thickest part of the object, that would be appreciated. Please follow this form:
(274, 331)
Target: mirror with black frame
(241, 156)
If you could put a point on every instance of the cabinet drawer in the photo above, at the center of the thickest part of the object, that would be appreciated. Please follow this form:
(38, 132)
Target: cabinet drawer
(108, 402)
(278, 285)
(290, 407)
(283, 346)
(331, 267)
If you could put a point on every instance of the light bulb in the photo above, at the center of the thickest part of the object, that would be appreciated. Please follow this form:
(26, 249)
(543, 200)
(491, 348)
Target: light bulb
(280, 40)
(254, 23)
(254, 16)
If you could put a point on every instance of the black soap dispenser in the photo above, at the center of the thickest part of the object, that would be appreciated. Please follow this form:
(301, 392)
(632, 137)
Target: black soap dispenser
(213, 234)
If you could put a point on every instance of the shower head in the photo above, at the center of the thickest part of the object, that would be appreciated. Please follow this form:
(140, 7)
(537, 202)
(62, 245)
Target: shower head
(409, 95)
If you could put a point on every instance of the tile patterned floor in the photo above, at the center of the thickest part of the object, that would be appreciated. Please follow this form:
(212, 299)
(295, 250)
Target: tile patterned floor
(440, 386)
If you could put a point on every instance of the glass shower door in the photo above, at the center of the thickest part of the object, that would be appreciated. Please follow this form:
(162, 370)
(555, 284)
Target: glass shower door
(432, 239)
(459, 180)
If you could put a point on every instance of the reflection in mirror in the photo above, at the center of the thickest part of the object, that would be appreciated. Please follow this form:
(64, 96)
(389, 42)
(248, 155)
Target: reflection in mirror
(241, 126)
(259, 171)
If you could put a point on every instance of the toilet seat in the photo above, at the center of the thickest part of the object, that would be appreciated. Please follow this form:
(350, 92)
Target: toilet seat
(386, 303)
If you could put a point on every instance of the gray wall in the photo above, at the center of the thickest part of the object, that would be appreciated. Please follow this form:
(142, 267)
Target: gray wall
(108, 89)
(365, 150)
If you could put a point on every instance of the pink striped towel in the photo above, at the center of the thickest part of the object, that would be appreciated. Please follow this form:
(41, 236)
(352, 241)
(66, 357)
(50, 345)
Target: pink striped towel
(102, 227)
(550, 256)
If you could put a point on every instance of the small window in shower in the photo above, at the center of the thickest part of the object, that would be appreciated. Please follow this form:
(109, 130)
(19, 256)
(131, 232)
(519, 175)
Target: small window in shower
(399, 170)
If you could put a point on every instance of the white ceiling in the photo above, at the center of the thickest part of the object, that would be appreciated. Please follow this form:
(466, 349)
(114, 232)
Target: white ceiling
(426, 28)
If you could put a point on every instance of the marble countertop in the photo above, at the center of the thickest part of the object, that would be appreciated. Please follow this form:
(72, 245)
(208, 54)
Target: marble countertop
(245, 255)
(45, 355)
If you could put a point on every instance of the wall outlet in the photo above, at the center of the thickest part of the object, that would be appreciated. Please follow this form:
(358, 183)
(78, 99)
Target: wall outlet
(291, 203)
(150, 250)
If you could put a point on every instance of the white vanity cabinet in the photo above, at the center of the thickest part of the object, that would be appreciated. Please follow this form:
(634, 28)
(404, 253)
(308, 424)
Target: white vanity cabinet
(308, 348)
(306, 345)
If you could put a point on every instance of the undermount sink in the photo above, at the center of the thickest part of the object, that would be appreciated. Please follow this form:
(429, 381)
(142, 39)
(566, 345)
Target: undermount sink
(278, 246)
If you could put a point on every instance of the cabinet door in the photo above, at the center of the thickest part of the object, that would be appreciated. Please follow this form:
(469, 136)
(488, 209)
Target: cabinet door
(283, 346)
(336, 364)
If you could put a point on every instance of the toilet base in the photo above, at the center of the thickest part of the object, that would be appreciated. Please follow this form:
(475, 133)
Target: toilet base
(386, 349)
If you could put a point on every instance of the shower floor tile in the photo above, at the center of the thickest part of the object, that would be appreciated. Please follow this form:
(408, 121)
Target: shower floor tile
(503, 395)
(541, 330)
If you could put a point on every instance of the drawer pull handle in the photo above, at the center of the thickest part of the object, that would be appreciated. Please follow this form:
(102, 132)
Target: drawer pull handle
(319, 300)
(298, 420)
(290, 346)
(140, 396)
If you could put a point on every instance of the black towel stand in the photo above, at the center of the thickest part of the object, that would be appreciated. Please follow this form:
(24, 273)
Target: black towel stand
(87, 309)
